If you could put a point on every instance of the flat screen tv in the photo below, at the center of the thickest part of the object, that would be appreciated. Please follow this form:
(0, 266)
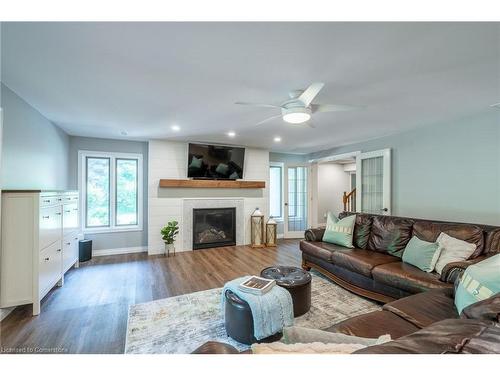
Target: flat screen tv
(215, 162)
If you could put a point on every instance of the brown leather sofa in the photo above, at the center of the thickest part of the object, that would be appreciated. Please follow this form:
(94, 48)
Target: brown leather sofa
(419, 313)
(374, 268)
(424, 323)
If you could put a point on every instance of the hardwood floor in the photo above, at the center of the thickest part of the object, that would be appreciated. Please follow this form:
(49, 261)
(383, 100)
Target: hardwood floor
(89, 314)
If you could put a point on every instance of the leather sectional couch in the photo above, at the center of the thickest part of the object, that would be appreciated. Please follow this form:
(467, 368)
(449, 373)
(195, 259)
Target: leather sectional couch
(424, 323)
(374, 268)
(419, 311)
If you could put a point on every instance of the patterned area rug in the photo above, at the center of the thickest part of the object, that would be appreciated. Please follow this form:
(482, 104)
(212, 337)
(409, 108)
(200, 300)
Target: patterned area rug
(178, 325)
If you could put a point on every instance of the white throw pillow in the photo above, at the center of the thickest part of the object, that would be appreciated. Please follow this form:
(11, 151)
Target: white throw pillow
(452, 250)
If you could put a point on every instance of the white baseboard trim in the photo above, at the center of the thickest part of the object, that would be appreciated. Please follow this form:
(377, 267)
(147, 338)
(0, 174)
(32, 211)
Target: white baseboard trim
(5, 312)
(121, 250)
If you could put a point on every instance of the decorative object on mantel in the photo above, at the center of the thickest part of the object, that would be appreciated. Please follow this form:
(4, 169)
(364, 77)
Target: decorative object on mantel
(212, 184)
(257, 229)
(168, 234)
(271, 232)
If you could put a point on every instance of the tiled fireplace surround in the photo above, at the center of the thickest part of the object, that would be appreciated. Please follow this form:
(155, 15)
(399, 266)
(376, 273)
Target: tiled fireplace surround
(168, 159)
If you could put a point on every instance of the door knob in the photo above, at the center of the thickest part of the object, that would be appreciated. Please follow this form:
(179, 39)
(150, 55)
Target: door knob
(385, 209)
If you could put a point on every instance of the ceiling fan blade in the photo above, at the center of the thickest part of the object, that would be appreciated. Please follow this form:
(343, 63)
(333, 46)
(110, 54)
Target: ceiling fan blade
(333, 108)
(258, 104)
(267, 120)
(310, 93)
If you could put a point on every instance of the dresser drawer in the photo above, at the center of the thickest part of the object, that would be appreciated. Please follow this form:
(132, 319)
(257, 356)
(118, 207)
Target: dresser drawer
(50, 200)
(50, 267)
(70, 218)
(70, 251)
(50, 225)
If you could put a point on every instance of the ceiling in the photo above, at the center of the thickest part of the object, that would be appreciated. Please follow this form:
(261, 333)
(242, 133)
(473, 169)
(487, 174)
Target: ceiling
(103, 79)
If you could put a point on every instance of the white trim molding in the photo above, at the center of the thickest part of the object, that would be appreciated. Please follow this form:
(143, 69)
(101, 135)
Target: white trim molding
(120, 250)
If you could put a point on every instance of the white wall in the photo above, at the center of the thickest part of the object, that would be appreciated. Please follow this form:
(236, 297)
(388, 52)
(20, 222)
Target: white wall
(169, 160)
(332, 182)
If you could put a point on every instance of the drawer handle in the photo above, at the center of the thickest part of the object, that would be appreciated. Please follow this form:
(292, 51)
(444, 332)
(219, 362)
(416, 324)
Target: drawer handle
(59, 199)
(75, 238)
(68, 211)
(75, 209)
(59, 250)
(68, 243)
(46, 201)
(58, 213)
(47, 259)
(45, 217)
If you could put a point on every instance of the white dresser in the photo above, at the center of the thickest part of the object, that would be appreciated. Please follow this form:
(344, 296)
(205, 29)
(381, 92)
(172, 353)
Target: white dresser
(39, 244)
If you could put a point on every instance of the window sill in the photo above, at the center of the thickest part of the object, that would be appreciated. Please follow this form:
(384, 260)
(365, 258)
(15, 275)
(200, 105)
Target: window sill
(112, 230)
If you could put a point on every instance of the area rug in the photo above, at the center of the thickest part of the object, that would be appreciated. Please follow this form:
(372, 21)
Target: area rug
(178, 325)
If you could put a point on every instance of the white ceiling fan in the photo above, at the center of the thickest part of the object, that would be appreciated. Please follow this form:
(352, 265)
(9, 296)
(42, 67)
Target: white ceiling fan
(299, 108)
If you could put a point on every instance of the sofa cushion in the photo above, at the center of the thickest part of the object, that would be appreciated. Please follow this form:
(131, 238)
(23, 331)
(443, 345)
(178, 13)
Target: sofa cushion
(422, 254)
(406, 277)
(339, 232)
(362, 229)
(375, 324)
(425, 308)
(361, 261)
(322, 250)
(492, 244)
(452, 250)
(468, 336)
(430, 231)
(390, 234)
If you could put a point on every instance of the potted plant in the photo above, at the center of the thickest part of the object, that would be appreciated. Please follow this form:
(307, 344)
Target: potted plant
(168, 234)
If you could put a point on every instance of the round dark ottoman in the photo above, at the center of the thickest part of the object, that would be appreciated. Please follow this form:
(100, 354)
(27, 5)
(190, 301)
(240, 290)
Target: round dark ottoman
(239, 320)
(296, 281)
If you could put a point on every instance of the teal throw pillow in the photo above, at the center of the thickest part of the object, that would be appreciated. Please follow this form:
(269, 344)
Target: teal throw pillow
(339, 232)
(422, 254)
(480, 281)
(195, 162)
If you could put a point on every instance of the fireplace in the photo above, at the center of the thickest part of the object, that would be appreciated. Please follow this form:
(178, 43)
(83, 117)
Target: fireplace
(214, 227)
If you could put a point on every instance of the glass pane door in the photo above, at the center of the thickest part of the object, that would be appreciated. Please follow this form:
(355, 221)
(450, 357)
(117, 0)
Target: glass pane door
(296, 205)
(373, 182)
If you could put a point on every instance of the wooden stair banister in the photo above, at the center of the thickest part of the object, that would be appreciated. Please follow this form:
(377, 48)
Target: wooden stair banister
(349, 201)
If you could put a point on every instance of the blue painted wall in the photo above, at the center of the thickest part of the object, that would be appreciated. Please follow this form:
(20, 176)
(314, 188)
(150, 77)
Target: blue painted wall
(445, 172)
(35, 151)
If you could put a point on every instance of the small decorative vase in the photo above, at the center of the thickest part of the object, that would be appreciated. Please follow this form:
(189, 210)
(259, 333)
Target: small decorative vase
(168, 248)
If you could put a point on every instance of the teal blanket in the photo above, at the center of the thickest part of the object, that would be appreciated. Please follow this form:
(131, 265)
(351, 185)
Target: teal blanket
(271, 311)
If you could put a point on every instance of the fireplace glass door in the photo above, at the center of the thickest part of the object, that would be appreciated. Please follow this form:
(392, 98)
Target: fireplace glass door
(214, 227)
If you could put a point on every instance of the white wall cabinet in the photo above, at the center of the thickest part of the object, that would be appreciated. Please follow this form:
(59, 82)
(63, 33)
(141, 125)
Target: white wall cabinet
(39, 244)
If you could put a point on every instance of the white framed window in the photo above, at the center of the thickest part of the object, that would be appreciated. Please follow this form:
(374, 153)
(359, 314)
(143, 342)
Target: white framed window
(111, 190)
(276, 190)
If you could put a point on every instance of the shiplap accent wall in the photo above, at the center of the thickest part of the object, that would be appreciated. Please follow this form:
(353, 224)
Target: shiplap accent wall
(168, 159)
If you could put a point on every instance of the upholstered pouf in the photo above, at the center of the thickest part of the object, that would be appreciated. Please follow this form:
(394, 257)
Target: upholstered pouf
(296, 281)
(239, 320)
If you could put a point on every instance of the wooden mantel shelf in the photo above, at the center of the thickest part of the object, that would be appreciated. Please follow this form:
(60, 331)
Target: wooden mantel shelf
(226, 184)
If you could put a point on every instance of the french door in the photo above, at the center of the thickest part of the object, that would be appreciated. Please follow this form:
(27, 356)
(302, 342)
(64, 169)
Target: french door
(296, 189)
(373, 182)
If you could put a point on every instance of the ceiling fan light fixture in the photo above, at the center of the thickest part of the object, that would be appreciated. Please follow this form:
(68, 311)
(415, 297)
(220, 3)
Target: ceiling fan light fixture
(296, 115)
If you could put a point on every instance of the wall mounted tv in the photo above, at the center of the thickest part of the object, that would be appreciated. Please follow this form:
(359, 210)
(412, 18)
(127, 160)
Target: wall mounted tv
(215, 162)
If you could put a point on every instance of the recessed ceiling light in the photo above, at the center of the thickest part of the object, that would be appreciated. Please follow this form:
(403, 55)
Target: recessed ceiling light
(175, 128)
(277, 139)
(231, 134)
